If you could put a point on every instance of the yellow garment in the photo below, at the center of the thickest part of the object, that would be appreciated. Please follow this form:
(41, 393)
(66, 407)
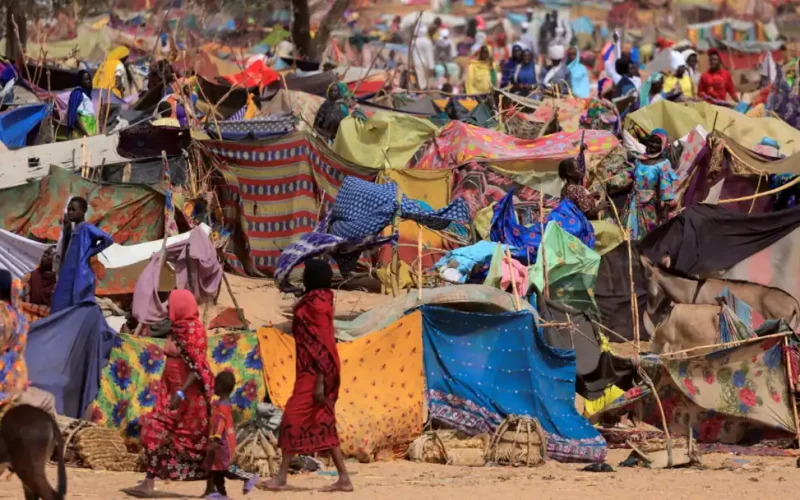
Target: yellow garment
(105, 78)
(405, 280)
(483, 221)
(607, 236)
(610, 394)
(252, 110)
(381, 404)
(687, 87)
(479, 77)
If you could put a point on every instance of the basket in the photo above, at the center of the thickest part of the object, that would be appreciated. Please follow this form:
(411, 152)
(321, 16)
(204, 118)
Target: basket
(449, 447)
(257, 451)
(519, 441)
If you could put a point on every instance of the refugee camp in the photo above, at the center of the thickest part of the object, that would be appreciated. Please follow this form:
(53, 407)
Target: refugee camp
(403, 249)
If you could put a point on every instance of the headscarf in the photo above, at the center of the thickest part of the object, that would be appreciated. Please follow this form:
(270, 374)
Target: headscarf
(190, 337)
(444, 38)
(344, 95)
(644, 92)
(663, 137)
(42, 284)
(688, 53)
(556, 52)
(105, 78)
(579, 78)
(480, 41)
(676, 60)
(13, 340)
(76, 99)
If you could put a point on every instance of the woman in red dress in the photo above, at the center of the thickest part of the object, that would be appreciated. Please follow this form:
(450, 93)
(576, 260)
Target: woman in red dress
(309, 419)
(175, 434)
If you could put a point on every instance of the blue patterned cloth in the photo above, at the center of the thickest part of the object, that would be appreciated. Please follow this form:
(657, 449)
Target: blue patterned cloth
(783, 101)
(318, 244)
(364, 209)
(526, 239)
(481, 368)
(76, 280)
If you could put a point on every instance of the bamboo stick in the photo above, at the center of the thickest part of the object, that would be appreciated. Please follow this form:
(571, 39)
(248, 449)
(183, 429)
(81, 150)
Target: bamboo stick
(652, 386)
(546, 290)
(765, 193)
(792, 398)
(419, 264)
(725, 345)
(83, 157)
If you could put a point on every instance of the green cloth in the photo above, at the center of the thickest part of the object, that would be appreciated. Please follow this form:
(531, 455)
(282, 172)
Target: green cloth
(607, 236)
(680, 119)
(385, 140)
(276, 36)
(89, 123)
(495, 275)
(571, 269)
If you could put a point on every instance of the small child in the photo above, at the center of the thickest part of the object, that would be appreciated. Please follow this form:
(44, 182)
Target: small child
(222, 445)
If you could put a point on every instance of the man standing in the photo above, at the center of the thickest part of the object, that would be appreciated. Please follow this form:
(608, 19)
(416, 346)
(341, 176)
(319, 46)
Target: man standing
(716, 83)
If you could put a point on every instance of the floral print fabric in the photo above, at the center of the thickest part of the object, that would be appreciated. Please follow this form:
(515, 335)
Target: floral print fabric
(653, 188)
(129, 384)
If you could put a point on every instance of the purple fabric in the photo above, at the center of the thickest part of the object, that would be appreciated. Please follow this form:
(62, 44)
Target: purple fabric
(195, 258)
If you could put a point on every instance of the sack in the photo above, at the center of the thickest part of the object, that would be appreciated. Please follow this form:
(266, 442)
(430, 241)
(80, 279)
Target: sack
(518, 441)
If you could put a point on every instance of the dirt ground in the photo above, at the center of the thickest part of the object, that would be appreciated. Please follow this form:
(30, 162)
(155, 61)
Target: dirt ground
(760, 478)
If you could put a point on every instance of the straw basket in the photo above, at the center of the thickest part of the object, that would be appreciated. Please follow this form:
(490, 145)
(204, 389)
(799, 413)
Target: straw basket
(524, 129)
(518, 441)
(257, 451)
(101, 448)
(449, 447)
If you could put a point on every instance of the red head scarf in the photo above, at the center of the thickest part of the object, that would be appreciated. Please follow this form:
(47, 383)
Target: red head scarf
(190, 337)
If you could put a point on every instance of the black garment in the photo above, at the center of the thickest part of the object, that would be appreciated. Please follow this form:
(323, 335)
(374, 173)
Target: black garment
(707, 238)
(612, 293)
(328, 119)
(218, 476)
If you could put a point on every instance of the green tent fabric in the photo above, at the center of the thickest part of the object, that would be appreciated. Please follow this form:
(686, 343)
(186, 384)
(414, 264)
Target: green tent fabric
(679, 119)
(385, 140)
(571, 269)
(276, 36)
(607, 236)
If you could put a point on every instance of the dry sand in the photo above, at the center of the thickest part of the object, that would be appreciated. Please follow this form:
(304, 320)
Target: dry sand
(403, 480)
(772, 478)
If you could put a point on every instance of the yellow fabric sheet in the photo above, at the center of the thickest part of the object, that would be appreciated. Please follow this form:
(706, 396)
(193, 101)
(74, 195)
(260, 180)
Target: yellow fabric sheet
(430, 186)
(679, 119)
(607, 236)
(381, 404)
(385, 140)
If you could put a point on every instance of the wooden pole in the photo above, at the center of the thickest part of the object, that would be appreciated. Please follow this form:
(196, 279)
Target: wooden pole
(395, 271)
(83, 157)
(726, 345)
(419, 264)
(792, 397)
(546, 290)
(239, 311)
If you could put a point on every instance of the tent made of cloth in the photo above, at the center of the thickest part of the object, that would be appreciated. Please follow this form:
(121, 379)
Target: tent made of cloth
(302, 105)
(679, 119)
(274, 192)
(17, 122)
(128, 213)
(706, 238)
(91, 44)
(66, 352)
(481, 368)
(747, 162)
(476, 298)
(381, 403)
(458, 143)
(19, 255)
(385, 140)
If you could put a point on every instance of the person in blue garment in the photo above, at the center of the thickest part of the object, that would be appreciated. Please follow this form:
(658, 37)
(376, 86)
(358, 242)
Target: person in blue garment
(509, 67)
(524, 77)
(578, 75)
(654, 182)
(81, 241)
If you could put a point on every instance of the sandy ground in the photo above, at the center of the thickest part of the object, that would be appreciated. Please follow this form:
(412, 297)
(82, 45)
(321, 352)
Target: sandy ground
(402, 480)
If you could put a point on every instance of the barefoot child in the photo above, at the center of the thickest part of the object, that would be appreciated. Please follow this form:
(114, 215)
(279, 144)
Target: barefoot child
(222, 445)
(309, 420)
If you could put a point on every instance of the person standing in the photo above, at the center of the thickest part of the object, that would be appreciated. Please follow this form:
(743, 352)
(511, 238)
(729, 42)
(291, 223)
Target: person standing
(481, 74)
(175, 434)
(81, 241)
(716, 84)
(81, 119)
(114, 74)
(309, 419)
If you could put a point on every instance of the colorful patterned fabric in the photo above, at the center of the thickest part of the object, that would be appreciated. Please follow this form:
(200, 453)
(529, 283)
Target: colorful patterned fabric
(128, 213)
(364, 209)
(274, 193)
(381, 403)
(783, 101)
(236, 128)
(525, 239)
(458, 143)
(13, 340)
(480, 368)
(131, 380)
(654, 187)
(601, 114)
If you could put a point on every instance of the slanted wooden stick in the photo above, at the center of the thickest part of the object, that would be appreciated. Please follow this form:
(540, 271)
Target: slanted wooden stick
(792, 398)
(546, 290)
(419, 263)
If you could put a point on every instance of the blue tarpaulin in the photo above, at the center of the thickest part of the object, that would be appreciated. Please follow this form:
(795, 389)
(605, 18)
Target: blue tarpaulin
(66, 352)
(17, 122)
(480, 368)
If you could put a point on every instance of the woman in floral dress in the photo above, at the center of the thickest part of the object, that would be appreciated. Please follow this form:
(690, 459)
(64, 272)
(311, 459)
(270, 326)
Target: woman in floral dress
(654, 183)
(175, 434)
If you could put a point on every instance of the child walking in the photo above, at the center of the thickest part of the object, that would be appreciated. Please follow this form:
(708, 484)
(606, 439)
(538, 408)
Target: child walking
(222, 445)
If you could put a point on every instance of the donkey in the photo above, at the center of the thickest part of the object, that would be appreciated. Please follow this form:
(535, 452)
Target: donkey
(28, 436)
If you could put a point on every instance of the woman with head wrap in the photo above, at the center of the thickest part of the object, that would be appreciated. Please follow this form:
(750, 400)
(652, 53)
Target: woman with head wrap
(678, 83)
(690, 56)
(481, 75)
(333, 110)
(653, 195)
(578, 75)
(554, 72)
(480, 41)
(175, 433)
(651, 90)
(510, 66)
(444, 53)
(81, 120)
(114, 74)
(309, 419)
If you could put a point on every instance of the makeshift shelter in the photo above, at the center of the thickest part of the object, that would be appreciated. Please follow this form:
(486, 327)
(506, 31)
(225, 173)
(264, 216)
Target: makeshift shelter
(19, 255)
(65, 354)
(128, 213)
(381, 405)
(17, 123)
(481, 368)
